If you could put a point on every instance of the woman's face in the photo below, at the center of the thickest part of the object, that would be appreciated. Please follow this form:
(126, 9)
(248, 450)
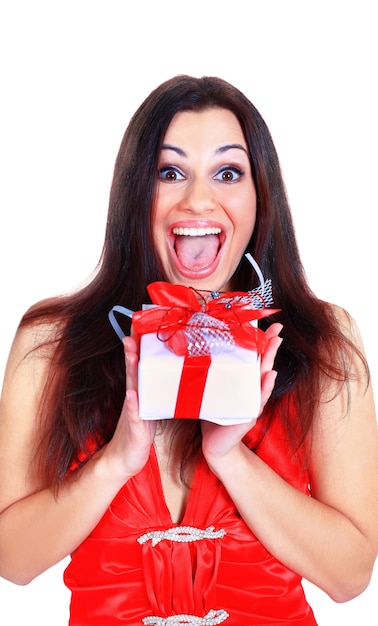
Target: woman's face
(205, 205)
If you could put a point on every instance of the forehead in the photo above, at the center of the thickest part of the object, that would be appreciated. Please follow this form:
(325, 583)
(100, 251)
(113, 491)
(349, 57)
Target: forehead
(214, 126)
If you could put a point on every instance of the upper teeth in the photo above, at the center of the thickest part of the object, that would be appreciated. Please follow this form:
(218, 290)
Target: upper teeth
(197, 232)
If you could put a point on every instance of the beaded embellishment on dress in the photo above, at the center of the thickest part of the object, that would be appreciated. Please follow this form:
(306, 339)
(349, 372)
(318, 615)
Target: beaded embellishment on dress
(181, 534)
(211, 619)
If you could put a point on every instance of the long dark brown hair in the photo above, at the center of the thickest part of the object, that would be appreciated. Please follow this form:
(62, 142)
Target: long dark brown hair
(85, 390)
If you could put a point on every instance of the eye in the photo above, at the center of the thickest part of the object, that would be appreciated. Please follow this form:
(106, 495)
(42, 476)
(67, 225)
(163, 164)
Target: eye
(229, 174)
(170, 174)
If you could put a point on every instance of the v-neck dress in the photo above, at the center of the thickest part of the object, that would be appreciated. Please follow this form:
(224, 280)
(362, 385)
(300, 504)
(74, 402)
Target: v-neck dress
(137, 567)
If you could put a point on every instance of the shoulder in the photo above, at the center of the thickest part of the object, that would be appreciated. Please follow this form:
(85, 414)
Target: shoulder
(34, 340)
(26, 373)
(346, 395)
(30, 355)
(342, 349)
(345, 322)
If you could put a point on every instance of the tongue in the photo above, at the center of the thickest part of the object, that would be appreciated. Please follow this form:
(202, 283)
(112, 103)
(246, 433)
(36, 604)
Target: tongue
(195, 253)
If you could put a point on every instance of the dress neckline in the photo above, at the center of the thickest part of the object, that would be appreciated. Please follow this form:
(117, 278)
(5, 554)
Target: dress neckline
(193, 492)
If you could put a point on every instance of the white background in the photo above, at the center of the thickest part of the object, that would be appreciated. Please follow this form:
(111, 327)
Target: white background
(72, 74)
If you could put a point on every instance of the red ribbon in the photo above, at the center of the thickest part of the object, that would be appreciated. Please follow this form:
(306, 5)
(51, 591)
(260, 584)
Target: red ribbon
(176, 306)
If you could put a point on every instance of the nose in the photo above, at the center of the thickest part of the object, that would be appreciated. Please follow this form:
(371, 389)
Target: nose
(199, 197)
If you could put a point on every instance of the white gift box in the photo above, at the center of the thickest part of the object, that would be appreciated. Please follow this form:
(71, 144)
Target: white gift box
(232, 390)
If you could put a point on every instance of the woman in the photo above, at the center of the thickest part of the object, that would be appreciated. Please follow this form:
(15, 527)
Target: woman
(254, 508)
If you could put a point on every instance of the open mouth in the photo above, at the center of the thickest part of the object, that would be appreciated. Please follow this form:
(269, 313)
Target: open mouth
(197, 248)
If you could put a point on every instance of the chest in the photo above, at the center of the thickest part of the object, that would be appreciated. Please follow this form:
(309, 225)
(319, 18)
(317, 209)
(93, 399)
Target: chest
(175, 492)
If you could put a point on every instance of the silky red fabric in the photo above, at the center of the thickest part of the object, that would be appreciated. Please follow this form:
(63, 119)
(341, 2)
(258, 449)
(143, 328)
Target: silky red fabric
(114, 580)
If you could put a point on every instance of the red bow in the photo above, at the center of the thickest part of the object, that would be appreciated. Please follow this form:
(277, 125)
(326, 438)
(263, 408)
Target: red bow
(177, 304)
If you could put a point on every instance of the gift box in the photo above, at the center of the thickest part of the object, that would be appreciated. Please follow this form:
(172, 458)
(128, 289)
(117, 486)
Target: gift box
(223, 388)
(199, 358)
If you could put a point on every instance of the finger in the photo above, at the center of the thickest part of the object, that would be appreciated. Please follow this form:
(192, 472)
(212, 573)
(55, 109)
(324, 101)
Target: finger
(267, 385)
(135, 337)
(131, 360)
(273, 330)
(267, 359)
(131, 405)
(130, 344)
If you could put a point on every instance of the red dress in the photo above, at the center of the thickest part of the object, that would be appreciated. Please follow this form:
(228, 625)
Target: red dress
(137, 567)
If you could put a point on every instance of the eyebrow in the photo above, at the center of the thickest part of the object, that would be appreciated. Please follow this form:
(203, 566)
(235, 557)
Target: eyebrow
(168, 146)
(230, 146)
(220, 150)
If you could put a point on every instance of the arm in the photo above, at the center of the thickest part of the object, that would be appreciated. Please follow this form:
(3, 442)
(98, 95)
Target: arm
(37, 527)
(331, 538)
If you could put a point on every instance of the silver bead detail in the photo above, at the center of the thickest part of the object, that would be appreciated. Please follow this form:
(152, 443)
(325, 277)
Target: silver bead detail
(181, 534)
(206, 335)
(211, 619)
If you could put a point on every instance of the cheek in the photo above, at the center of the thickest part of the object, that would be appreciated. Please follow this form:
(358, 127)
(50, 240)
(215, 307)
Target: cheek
(246, 229)
(159, 235)
(156, 232)
(246, 219)
(157, 218)
(160, 210)
(251, 220)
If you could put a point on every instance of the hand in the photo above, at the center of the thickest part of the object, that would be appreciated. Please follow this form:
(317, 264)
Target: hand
(217, 440)
(268, 374)
(130, 446)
